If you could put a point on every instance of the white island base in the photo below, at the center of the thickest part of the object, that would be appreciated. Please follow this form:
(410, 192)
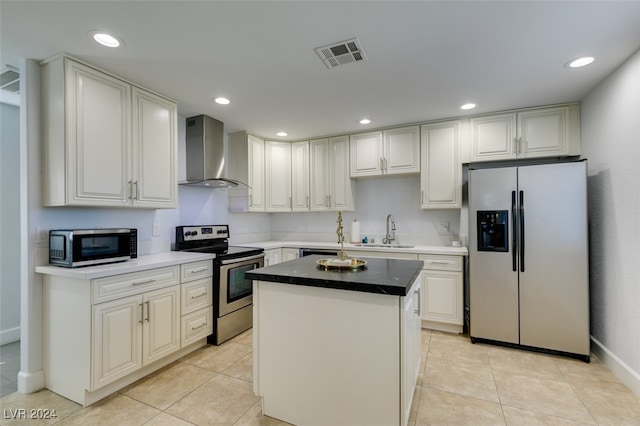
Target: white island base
(326, 356)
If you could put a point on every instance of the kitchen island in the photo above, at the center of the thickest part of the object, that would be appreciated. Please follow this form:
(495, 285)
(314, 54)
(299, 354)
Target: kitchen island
(337, 347)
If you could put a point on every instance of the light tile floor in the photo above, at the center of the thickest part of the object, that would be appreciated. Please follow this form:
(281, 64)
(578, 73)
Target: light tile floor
(460, 384)
(9, 367)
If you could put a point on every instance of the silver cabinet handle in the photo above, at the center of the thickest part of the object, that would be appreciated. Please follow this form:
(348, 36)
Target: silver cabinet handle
(419, 310)
(150, 280)
(130, 190)
(148, 310)
(196, 271)
(250, 200)
(200, 326)
(141, 313)
(199, 296)
(307, 201)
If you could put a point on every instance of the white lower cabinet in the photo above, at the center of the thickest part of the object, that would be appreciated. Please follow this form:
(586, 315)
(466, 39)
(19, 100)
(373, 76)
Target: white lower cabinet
(442, 287)
(105, 333)
(290, 254)
(197, 301)
(272, 256)
(133, 332)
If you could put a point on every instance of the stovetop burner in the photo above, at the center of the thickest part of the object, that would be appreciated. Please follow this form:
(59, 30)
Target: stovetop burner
(211, 239)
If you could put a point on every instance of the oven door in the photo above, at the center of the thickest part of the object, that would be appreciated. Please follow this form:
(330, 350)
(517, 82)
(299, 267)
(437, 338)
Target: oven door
(236, 291)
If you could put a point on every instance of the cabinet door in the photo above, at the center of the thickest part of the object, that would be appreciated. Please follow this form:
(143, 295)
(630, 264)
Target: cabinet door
(98, 121)
(341, 186)
(277, 176)
(440, 179)
(492, 137)
(272, 257)
(196, 325)
(543, 133)
(161, 326)
(256, 174)
(411, 348)
(442, 298)
(366, 154)
(319, 157)
(117, 340)
(401, 150)
(290, 254)
(300, 177)
(154, 181)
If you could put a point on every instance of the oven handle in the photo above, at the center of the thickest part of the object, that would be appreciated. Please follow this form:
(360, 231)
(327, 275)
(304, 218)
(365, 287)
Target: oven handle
(242, 259)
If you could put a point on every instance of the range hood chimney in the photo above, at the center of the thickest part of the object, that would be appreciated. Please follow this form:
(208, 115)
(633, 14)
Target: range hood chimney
(205, 154)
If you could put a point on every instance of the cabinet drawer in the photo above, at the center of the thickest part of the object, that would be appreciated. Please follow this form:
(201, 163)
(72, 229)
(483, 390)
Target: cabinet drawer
(117, 286)
(196, 295)
(196, 270)
(441, 262)
(381, 254)
(196, 326)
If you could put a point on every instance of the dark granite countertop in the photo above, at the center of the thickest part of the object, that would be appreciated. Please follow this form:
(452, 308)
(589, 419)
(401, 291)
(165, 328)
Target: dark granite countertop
(382, 276)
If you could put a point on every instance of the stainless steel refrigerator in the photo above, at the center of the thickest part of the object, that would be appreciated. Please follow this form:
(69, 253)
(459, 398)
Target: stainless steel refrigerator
(528, 257)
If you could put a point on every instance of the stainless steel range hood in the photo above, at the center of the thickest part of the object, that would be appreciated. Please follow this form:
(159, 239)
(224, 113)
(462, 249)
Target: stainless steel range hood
(205, 154)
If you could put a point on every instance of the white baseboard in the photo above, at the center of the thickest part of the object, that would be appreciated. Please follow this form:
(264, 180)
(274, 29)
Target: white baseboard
(9, 335)
(618, 367)
(30, 382)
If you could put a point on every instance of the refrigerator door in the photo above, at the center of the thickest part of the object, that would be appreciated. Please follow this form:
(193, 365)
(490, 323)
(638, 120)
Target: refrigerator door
(493, 285)
(554, 286)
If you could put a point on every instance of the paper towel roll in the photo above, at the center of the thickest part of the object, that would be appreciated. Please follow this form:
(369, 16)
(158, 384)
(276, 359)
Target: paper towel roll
(355, 231)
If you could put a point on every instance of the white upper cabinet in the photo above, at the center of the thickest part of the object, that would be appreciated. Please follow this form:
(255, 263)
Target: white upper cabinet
(534, 133)
(246, 165)
(154, 144)
(392, 151)
(277, 176)
(331, 188)
(441, 176)
(401, 150)
(493, 137)
(300, 176)
(106, 142)
(366, 154)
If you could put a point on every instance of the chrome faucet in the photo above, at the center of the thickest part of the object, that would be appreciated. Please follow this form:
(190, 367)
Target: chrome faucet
(391, 230)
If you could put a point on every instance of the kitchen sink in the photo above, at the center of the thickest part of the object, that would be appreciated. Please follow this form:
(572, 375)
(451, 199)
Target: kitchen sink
(385, 245)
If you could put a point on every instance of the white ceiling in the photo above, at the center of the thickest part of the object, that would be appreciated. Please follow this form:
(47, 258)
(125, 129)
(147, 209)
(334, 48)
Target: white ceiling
(425, 59)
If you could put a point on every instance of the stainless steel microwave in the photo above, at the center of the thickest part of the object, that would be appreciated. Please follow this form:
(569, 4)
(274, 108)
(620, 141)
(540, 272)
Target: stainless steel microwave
(72, 248)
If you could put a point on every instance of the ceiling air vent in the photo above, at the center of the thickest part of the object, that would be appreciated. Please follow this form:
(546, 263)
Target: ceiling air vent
(341, 53)
(10, 79)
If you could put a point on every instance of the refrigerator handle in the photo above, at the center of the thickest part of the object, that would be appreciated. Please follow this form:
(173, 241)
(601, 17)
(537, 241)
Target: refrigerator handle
(514, 230)
(521, 231)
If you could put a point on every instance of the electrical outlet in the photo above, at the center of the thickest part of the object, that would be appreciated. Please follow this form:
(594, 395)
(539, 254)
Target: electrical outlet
(156, 230)
(42, 235)
(443, 228)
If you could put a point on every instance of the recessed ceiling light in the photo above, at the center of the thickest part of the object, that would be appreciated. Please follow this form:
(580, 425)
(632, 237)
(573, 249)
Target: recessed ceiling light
(468, 106)
(222, 101)
(282, 134)
(106, 39)
(365, 121)
(580, 62)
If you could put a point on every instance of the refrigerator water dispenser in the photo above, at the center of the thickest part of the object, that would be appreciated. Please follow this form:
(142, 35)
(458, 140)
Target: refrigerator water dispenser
(493, 230)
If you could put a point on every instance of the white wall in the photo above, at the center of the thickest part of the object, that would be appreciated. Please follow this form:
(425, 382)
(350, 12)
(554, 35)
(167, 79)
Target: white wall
(611, 143)
(375, 198)
(9, 221)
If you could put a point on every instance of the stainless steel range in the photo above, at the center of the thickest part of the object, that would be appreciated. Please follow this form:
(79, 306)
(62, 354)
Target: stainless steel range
(232, 292)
